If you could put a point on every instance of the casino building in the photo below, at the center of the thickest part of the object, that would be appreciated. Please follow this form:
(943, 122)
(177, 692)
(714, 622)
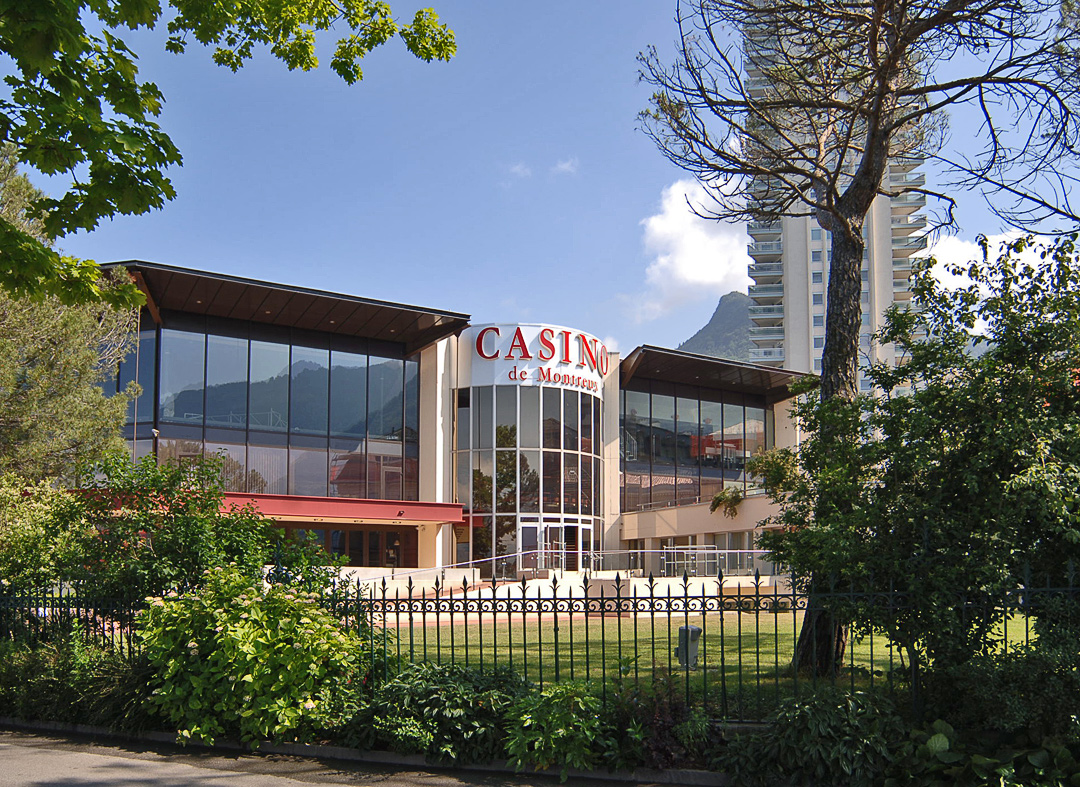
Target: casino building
(410, 439)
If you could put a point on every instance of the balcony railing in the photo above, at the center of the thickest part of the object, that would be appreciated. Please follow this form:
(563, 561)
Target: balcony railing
(766, 354)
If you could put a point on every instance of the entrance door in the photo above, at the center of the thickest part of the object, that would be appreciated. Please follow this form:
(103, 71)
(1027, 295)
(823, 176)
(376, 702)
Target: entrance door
(572, 548)
(553, 547)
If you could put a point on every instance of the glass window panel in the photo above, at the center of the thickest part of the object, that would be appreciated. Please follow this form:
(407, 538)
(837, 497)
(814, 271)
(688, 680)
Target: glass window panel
(505, 416)
(770, 428)
(687, 450)
(385, 476)
(374, 545)
(462, 424)
(339, 542)
(412, 401)
(529, 420)
(529, 483)
(586, 424)
(586, 485)
(268, 469)
(570, 421)
(506, 481)
(356, 548)
(310, 390)
(183, 359)
(482, 417)
(307, 471)
(635, 449)
(386, 395)
(268, 390)
(393, 553)
(506, 544)
(348, 477)
(528, 546)
(755, 438)
(348, 394)
(481, 481)
(734, 445)
(226, 381)
(481, 548)
(552, 487)
(598, 426)
(552, 413)
(571, 482)
(140, 368)
(597, 479)
(234, 476)
(178, 451)
(462, 470)
(411, 475)
(663, 431)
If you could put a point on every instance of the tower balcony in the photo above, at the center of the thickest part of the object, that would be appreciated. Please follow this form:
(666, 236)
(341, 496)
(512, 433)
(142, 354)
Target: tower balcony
(905, 225)
(766, 250)
(908, 203)
(767, 355)
(766, 272)
(766, 293)
(906, 246)
(766, 333)
(767, 315)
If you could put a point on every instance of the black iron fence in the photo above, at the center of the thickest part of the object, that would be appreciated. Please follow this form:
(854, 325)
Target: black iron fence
(724, 643)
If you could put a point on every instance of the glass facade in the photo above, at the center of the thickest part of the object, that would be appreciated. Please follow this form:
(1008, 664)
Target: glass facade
(528, 472)
(289, 412)
(681, 445)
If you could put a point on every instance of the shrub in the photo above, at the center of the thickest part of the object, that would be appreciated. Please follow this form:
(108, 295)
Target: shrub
(830, 738)
(70, 680)
(1033, 690)
(447, 712)
(232, 658)
(559, 727)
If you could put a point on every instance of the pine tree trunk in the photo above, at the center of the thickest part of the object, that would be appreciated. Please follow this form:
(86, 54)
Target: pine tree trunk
(823, 638)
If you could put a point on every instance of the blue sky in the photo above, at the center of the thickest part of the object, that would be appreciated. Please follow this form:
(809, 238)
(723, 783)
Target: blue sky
(511, 184)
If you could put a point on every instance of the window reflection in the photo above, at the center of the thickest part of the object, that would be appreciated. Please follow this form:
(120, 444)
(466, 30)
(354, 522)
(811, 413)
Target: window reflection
(226, 381)
(182, 376)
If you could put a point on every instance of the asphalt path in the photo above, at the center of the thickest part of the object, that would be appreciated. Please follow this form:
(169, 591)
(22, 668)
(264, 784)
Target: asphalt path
(35, 760)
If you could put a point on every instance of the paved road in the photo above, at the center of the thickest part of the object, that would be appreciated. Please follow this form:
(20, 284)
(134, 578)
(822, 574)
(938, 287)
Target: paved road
(32, 760)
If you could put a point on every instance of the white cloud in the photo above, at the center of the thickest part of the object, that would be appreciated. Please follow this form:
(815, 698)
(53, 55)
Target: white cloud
(693, 259)
(520, 170)
(565, 167)
(952, 251)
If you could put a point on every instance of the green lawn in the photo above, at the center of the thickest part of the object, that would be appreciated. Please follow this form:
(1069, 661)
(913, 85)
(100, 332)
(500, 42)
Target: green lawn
(743, 660)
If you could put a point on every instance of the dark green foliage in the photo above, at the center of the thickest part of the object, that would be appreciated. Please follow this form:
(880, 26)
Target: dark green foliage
(938, 757)
(831, 738)
(1032, 691)
(559, 727)
(76, 106)
(449, 713)
(69, 680)
(146, 529)
(653, 726)
(960, 479)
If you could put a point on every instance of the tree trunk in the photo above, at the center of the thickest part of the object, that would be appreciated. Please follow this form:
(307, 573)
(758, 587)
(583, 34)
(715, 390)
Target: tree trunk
(823, 638)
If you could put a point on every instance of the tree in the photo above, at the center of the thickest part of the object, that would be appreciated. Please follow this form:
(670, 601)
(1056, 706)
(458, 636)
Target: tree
(54, 360)
(75, 106)
(146, 528)
(785, 108)
(963, 474)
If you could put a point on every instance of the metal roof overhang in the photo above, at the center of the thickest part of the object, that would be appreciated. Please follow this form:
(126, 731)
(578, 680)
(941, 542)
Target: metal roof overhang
(682, 368)
(199, 292)
(347, 510)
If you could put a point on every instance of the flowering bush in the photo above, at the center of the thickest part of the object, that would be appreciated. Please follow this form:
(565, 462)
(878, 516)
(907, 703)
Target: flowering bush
(235, 659)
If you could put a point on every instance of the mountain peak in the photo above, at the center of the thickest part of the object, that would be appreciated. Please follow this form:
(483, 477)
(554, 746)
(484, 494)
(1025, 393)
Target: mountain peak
(727, 334)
